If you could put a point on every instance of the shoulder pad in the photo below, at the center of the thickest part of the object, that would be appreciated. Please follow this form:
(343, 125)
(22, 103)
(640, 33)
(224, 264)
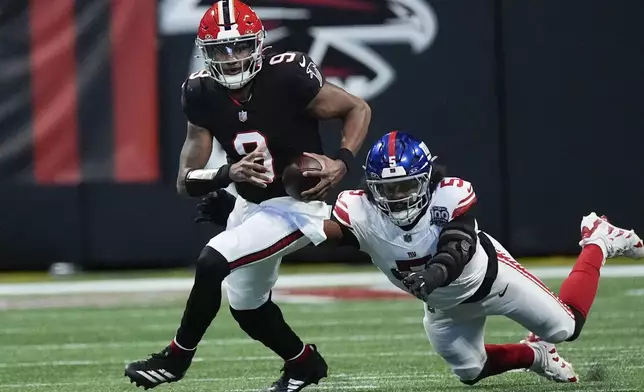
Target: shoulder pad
(195, 86)
(348, 208)
(453, 197)
(194, 93)
(299, 72)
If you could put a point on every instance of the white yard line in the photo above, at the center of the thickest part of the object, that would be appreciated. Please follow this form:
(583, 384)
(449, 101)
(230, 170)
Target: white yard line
(207, 342)
(346, 322)
(180, 284)
(636, 292)
(610, 389)
(346, 381)
(323, 384)
(47, 330)
(420, 336)
(632, 351)
(392, 307)
(332, 380)
(284, 282)
(328, 385)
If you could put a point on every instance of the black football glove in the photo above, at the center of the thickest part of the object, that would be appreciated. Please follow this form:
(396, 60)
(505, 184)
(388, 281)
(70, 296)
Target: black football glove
(421, 284)
(215, 207)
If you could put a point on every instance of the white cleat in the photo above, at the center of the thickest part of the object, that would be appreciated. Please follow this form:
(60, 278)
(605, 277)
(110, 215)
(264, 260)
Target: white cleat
(613, 240)
(551, 365)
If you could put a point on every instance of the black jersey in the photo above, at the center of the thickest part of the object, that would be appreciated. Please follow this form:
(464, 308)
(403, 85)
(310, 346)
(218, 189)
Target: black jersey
(275, 115)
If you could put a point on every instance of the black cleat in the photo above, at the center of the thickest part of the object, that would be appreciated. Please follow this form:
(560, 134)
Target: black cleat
(164, 367)
(299, 375)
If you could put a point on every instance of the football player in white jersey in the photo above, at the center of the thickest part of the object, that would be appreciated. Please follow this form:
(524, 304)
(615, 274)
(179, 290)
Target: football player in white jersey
(419, 228)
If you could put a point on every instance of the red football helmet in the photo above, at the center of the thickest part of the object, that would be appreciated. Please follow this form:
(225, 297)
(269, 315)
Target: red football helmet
(231, 39)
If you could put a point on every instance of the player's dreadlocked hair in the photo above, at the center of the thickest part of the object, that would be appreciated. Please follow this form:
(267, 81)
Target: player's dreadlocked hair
(439, 172)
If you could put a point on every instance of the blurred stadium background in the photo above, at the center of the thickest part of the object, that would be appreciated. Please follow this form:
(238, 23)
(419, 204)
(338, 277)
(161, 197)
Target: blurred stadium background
(537, 102)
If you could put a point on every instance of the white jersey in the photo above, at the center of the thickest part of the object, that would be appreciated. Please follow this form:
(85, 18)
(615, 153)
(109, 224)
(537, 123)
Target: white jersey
(392, 248)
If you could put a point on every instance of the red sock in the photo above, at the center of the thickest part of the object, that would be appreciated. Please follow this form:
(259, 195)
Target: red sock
(504, 357)
(177, 349)
(580, 288)
(306, 351)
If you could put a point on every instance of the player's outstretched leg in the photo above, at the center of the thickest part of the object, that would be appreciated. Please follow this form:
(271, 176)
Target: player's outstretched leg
(172, 363)
(600, 240)
(303, 365)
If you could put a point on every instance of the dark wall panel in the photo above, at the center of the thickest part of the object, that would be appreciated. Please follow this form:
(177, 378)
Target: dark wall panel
(537, 103)
(575, 82)
(128, 224)
(39, 225)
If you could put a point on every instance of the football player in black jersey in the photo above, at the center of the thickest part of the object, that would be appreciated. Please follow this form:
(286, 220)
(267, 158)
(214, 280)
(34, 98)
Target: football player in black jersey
(264, 110)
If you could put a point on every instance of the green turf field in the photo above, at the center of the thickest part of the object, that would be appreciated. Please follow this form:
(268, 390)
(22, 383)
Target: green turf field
(369, 345)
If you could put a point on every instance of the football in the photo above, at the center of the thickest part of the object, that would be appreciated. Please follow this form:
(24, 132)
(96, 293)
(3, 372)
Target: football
(294, 181)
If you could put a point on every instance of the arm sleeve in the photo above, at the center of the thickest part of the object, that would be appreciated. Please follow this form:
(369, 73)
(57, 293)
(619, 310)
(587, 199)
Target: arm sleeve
(348, 236)
(456, 246)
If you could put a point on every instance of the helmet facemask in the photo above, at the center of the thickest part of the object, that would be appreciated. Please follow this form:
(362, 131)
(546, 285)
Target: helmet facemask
(402, 199)
(233, 62)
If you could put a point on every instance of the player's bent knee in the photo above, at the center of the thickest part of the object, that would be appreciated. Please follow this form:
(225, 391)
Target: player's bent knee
(252, 320)
(241, 302)
(557, 333)
(557, 336)
(469, 375)
(212, 264)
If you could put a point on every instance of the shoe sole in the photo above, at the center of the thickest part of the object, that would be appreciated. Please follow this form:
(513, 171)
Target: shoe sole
(140, 381)
(306, 384)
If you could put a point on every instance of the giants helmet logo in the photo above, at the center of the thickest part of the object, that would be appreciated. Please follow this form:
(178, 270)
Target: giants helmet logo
(341, 36)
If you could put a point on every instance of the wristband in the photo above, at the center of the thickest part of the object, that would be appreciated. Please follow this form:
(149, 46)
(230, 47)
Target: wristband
(346, 156)
(200, 182)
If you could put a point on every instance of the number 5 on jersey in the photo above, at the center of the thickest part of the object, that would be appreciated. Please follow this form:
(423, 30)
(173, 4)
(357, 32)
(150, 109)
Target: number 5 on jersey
(247, 142)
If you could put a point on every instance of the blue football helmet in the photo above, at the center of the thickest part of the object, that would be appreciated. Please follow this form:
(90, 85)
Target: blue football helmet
(398, 168)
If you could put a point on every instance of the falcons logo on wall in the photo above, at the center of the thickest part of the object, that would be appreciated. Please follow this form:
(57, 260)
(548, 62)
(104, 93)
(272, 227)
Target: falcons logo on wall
(342, 36)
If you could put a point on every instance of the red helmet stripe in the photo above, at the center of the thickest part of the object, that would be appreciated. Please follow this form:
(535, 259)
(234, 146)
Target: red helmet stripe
(391, 143)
